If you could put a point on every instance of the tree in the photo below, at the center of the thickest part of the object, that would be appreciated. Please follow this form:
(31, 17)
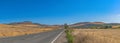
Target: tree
(66, 26)
(108, 26)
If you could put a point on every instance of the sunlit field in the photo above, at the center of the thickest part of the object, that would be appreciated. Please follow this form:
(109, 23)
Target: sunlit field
(96, 35)
(10, 31)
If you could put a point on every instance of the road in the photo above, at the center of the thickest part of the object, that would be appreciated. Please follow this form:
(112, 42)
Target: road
(62, 38)
(45, 37)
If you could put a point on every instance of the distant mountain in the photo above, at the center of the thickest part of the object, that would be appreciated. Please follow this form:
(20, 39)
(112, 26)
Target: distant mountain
(76, 25)
(87, 23)
(94, 25)
(27, 23)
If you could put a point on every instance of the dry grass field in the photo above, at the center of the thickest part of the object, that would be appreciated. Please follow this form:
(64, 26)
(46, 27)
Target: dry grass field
(10, 31)
(96, 35)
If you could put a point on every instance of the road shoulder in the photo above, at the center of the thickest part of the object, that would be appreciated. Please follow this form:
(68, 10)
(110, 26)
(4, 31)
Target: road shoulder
(62, 38)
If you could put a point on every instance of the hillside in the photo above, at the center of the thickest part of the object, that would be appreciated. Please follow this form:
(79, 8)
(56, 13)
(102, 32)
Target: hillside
(95, 25)
(23, 28)
(27, 23)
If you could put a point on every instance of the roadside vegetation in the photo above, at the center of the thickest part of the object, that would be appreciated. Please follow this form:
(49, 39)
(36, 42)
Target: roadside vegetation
(69, 35)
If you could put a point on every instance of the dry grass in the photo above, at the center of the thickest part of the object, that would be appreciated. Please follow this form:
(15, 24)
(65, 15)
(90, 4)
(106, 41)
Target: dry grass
(97, 35)
(10, 31)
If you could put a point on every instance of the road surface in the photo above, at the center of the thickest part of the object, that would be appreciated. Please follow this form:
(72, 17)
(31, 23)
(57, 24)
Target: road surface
(62, 38)
(46, 37)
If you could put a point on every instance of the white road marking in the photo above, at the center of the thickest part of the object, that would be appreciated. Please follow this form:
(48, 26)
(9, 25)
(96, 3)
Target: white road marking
(57, 36)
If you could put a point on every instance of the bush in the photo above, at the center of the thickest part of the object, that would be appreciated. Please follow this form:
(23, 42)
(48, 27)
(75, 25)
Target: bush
(69, 36)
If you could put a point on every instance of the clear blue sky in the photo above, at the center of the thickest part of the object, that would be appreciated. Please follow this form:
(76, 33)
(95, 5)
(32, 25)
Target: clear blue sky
(59, 11)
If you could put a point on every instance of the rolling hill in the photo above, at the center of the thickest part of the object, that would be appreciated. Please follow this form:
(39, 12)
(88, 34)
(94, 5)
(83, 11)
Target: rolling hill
(95, 25)
(23, 28)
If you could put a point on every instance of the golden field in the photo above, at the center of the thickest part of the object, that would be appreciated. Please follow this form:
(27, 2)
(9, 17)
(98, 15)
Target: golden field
(96, 35)
(10, 30)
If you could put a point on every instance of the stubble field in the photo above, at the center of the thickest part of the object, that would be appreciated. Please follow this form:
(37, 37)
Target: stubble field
(96, 35)
(11, 31)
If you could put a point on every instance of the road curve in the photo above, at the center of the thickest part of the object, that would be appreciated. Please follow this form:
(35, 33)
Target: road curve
(45, 37)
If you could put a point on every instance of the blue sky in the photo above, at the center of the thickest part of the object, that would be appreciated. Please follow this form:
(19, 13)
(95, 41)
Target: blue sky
(59, 11)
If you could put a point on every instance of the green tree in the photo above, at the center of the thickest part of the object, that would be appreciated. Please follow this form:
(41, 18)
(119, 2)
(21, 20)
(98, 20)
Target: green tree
(66, 26)
(108, 26)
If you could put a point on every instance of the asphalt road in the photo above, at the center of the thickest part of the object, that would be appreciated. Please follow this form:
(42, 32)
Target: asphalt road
(46, 37)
